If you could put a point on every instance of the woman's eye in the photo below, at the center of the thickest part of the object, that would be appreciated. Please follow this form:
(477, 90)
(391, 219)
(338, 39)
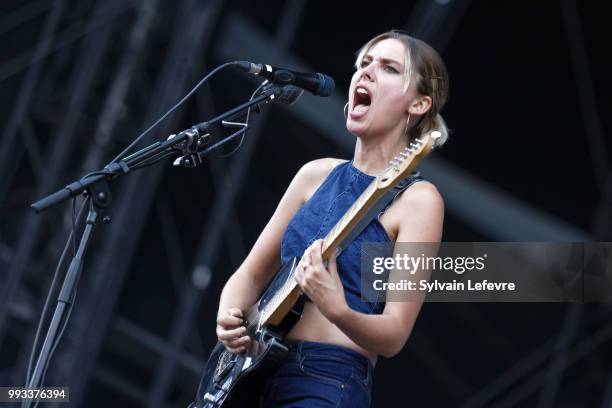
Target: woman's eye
(364, 64)
(391, 69)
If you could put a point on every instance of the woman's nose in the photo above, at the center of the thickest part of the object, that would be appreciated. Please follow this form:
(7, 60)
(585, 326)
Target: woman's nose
(367, 73)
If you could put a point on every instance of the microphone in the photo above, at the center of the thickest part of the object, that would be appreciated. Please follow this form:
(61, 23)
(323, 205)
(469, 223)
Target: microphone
(319, 84)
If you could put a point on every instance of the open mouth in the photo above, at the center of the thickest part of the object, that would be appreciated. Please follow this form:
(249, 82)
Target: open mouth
(362, 100)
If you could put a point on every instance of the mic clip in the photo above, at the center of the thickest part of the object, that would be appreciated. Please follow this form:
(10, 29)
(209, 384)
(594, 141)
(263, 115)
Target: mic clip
(190, 146)
(191, 151)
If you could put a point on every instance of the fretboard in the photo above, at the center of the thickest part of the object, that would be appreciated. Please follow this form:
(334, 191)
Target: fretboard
(332, 240)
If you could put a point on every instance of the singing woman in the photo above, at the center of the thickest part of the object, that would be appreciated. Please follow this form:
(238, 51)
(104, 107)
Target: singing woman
(396, 94)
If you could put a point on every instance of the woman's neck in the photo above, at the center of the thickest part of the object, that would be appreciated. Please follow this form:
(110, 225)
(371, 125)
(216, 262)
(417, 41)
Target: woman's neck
(372, 155)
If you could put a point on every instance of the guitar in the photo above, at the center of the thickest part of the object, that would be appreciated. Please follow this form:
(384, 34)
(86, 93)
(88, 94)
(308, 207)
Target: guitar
(234, 380)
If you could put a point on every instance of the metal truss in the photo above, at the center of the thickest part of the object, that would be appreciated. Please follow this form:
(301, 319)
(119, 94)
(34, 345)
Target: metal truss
(110, 115)
(525, 377)
(9, 146)
(80, 87)
(590, 113)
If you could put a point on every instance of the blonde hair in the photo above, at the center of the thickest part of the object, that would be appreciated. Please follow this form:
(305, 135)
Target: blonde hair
(430, 73)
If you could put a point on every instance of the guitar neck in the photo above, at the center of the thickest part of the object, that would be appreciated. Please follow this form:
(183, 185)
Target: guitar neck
(400, 167)
(282, 299)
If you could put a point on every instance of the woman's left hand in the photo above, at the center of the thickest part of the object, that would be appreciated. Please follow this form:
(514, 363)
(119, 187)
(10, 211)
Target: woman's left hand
(321, 284)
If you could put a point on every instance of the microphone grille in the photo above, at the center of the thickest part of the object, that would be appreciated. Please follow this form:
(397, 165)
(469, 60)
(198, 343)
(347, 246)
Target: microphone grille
(327, 85)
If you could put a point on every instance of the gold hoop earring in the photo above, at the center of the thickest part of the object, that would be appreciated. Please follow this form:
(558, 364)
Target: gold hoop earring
(346, 111)
(407, 123)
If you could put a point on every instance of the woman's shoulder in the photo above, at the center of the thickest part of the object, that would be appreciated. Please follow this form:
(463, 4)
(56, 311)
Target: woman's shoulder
(417, 215)
(313, 173)
(420, 204)
(320, 167)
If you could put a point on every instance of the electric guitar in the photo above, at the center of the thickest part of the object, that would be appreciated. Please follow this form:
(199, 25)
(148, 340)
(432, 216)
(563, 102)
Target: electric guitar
(235, 380)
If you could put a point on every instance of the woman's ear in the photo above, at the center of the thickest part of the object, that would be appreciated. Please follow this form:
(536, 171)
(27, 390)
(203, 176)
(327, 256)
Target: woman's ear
(420, 105)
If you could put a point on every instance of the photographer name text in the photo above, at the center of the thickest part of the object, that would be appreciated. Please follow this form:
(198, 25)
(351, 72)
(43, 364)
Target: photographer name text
(424, 285)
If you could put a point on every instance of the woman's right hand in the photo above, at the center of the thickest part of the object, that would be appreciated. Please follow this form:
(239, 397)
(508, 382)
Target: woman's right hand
(231, 332)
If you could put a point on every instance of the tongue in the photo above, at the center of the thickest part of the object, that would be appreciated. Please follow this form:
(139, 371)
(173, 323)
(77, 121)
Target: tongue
(361, 108)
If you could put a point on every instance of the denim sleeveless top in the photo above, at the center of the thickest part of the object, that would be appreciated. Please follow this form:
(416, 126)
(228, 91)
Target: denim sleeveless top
(319, 214)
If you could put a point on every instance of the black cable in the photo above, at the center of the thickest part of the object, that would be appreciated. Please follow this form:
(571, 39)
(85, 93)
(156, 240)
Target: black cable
(152, 160)
(49, 295)
(74, 248)
(224, 141)
(162, 155)
(214, 71)
(264, 83)
(95, 173)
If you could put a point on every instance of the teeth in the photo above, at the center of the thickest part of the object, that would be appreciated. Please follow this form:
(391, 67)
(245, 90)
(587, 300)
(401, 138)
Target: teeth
(362, 91)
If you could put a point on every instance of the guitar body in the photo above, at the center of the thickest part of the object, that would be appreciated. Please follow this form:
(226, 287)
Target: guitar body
(235, 380)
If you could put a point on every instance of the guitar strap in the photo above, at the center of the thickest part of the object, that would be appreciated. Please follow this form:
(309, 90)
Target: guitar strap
(380, 205)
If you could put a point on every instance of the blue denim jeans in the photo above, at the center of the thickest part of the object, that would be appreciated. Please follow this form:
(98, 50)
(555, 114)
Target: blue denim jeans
(320, 375)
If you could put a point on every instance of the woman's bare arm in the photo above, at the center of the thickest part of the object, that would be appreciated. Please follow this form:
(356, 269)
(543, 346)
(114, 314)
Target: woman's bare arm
(245, 286)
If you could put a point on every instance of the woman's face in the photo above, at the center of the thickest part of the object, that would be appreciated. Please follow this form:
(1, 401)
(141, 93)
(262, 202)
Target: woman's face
(378, 103)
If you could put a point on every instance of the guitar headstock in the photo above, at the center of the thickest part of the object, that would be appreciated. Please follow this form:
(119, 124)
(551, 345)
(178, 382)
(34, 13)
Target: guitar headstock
(402, 165)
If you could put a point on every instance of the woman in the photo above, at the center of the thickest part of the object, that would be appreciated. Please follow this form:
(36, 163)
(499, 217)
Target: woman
(395, 96)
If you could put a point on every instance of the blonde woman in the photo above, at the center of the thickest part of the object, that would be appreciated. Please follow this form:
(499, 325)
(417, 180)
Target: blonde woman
(396, 93)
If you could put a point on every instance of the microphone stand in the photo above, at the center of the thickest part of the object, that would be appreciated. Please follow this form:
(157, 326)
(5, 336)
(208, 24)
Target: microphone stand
(66, 295)
(188, 141)
(95, 187)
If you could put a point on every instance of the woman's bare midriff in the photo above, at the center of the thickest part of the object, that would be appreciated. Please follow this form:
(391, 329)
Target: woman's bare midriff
(313, 326)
